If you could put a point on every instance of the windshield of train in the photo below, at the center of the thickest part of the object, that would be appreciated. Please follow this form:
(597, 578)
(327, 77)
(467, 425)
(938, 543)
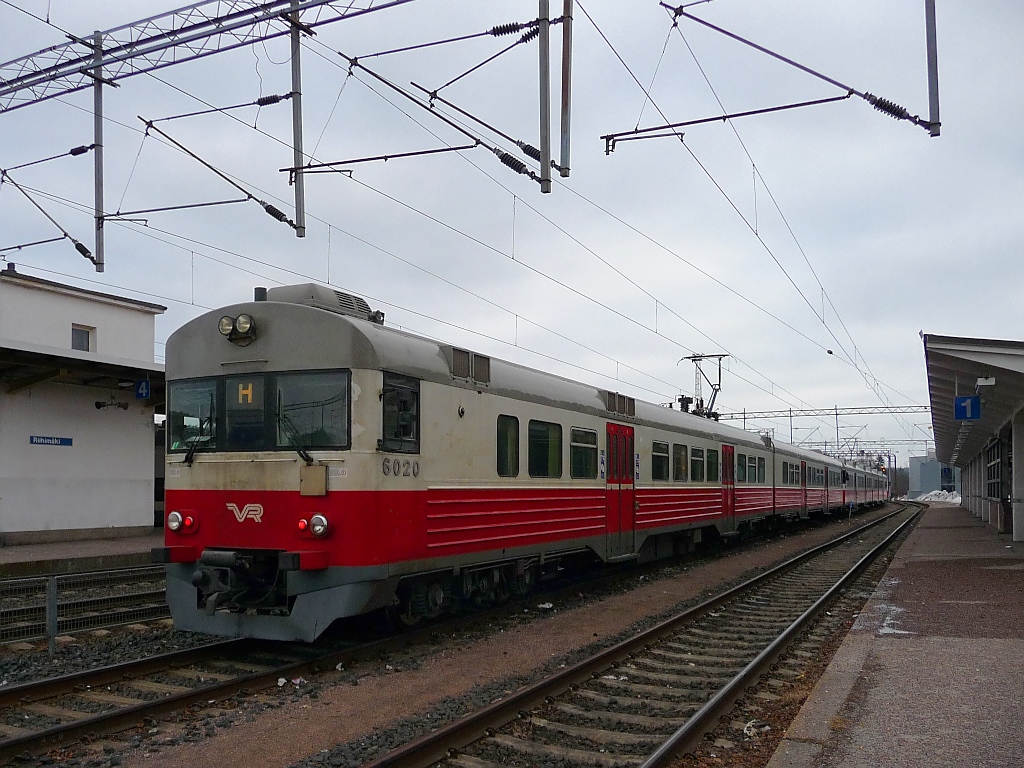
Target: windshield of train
(260, 412)
(312, 409)
(192, 415)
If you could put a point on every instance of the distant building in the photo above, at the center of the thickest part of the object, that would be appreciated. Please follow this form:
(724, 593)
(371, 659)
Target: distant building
(78, 391)
(927, 474)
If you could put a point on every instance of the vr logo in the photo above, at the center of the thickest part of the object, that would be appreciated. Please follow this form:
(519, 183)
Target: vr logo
(255, 511)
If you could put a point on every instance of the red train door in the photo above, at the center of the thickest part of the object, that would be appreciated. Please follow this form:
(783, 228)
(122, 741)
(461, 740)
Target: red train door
(803, 488)
(620, 494)
(728, 488)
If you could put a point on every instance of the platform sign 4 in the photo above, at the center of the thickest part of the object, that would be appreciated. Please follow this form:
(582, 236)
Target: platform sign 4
(143, 389)
(967, 408)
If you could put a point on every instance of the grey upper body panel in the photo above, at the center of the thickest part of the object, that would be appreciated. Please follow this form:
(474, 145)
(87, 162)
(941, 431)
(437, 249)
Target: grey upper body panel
(291, 336)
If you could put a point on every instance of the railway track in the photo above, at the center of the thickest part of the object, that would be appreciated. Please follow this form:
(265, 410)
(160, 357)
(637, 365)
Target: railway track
(57, 711)
(652, 697)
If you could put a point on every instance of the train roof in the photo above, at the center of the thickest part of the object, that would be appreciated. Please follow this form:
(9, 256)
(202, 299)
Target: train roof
(305, 332)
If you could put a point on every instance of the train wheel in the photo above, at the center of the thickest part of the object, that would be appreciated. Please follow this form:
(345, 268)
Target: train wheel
(404, 615)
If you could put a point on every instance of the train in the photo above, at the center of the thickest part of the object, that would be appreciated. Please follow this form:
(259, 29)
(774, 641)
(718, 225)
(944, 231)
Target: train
(321, 464)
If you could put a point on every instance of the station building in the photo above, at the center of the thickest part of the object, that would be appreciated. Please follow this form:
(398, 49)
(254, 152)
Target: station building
(928, 474)
(79, 388)
(976, 387)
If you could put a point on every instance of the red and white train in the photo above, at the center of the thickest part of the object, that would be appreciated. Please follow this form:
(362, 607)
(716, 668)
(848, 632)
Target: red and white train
(321, 465)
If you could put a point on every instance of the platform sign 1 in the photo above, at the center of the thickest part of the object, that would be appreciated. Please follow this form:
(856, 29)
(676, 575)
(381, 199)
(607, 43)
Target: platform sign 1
(143, 389)
(967, 408)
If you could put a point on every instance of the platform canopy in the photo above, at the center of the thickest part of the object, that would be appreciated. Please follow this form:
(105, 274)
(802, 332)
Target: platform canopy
(22, 365)
(991, 370)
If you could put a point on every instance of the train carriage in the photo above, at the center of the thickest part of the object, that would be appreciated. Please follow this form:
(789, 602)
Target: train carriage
(321, 465)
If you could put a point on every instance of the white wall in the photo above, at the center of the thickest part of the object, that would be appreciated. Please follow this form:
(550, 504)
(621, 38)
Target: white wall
(44, 315)
(105, 478)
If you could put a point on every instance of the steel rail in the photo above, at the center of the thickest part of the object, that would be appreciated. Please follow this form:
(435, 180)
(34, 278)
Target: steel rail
(688, 734)
(130, 716)
(435, 746)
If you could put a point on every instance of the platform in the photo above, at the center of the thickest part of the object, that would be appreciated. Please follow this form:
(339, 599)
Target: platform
(78, 556)
(931, 673)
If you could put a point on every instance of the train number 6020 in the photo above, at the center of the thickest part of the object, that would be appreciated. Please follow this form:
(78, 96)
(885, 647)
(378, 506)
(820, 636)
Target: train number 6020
(400, 468)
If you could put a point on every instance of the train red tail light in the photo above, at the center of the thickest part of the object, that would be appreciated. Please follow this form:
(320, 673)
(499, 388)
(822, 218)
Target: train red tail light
(189, 522)
(303, 525)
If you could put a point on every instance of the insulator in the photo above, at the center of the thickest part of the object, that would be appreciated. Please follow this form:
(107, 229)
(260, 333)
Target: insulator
(506, 29)
(514, 163)
(529, 150)
(529, 35)
(277, 213)
(265, 101)
(79, 150)
(890, 108)
(80, 247)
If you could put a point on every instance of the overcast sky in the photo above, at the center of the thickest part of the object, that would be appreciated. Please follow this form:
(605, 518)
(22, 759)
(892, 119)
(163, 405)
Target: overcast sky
(712, 244)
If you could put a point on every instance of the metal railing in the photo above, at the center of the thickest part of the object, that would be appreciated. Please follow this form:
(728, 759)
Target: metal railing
(45, 607)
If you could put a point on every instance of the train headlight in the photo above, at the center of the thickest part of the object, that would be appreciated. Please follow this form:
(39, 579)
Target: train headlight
(318, 525)
(174, 521)
(226, 325)
(243, 323)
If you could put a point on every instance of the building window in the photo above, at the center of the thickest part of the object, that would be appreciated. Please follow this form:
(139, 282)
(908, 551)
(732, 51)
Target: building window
(582, 453)
(659, 461)
(81, 337)
(679, 463)
(544, 449)
(508, 446)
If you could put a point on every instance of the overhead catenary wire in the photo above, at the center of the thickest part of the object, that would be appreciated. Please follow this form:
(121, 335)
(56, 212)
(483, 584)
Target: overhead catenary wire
(870, 379)
(506, 159)
(228, 115)
(73, 152)
(495, 31)
(271, 210)
(773, 384)
(272, 137)
(79, 246)
(526, 37)
(881, 104)
(527, 149)
(721, 189)
(262, 101)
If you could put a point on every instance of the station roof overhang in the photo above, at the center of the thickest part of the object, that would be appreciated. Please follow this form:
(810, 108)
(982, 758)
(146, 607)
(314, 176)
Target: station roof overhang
(24, 365)
(992, 369)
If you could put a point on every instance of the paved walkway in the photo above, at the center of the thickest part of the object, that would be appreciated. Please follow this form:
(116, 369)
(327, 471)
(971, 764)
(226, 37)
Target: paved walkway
(933, 670)
(78, 556)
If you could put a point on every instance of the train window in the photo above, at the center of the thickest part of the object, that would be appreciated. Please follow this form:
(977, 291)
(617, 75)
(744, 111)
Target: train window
(244, 409)
(312, 409)
(697, 465)
(508, 446)
(712, 465)
(192, 415)
(400, 404)
(679, 463)
(659, 461)
(544, 449)
(582, 453)
(760, 469)
(752, 469)
(741, 467)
